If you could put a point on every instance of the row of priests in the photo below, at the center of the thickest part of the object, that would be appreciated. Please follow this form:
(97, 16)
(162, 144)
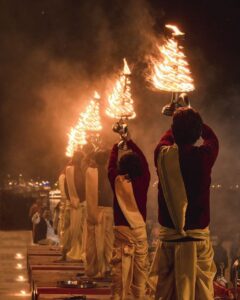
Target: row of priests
(86, 215)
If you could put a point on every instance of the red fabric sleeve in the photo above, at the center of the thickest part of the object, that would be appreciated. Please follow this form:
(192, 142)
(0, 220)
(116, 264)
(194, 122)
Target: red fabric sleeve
(210, 146)
(112, 165)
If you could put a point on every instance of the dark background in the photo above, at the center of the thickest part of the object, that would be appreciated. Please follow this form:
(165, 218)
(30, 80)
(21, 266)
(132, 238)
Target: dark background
(55, 53)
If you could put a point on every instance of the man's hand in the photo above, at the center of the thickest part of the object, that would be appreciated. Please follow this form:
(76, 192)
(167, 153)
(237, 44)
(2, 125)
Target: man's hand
(126, 136)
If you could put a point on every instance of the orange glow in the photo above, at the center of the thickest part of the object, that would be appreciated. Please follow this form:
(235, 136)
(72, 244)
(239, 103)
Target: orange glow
(120, 102)
(170, 70)
(175, 30)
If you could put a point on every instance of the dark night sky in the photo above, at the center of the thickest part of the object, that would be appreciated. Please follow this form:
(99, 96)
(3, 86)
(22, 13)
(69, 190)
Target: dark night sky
(54, 53)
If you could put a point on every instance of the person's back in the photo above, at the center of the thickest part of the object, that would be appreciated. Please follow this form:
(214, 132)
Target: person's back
(129, 177)
(196, 164)
(185, 255)
(139, 183)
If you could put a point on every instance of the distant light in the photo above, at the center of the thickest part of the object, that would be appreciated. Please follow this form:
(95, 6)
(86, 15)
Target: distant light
(237, 186)
(23, 293)
(19, 266)
(19, 256)
(21, 278)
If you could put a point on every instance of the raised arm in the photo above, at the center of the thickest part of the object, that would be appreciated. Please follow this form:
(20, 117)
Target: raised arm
(112, 165)
(166, 140)
(210, 146)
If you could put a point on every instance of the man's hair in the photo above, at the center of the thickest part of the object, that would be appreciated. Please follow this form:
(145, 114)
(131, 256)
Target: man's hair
(130, 164)
(101, 157)
(186, 126)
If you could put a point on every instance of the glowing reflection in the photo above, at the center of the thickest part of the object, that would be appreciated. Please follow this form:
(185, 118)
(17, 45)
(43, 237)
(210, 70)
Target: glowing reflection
(21, 278)
(18, 256)
(19, 266)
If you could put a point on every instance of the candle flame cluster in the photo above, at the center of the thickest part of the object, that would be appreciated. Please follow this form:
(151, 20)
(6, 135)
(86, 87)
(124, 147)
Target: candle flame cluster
(120, 102)
(89, 123)
(76, 139)
(170, 71)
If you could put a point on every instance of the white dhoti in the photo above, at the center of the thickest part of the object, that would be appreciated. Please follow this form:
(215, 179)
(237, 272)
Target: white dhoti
(181, 270)
(99, 229)
(130, 254)
(77, 232)
(64, 216)
(100, 243)
(130, 263)
(61, 222)
(65, 238)
(77, 229)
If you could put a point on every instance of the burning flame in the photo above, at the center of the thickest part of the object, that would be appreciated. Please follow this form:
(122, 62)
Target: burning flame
(126, 70)
(89, 121)
(120, 102)
(77, 138)
(170, 71)
(91, 117)
(175, 30)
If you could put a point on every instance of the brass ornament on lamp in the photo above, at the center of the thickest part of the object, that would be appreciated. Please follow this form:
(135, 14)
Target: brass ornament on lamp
(121, 128)
(176, 102)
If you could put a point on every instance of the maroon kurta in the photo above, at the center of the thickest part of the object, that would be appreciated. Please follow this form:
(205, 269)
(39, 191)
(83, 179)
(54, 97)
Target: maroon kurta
(140, 184)
(196, 165)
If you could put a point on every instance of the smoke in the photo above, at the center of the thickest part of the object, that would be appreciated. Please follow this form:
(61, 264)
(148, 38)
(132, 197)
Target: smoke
(54, 54)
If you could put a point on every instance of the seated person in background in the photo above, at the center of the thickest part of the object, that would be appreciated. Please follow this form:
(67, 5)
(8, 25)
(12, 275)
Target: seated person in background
(44, 232)
(36, 207)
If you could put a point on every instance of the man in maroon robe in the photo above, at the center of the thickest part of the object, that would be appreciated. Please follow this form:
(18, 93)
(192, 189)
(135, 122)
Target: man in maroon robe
(185, 266)
(129, 178)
